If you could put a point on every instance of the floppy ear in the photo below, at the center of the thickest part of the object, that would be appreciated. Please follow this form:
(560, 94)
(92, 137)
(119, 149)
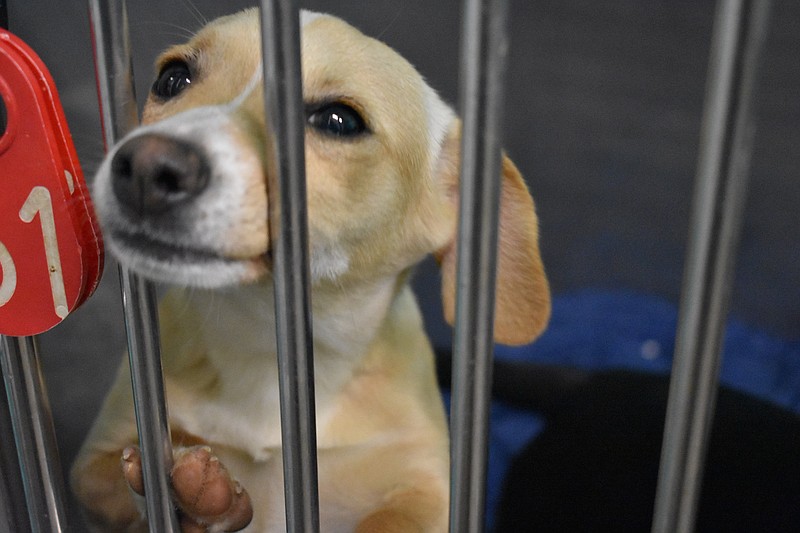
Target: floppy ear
(522, 306)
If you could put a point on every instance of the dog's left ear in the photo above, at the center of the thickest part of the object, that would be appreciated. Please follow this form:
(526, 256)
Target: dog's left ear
(522, 306)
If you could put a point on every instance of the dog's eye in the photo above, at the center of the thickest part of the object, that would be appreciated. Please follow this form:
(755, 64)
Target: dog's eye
(337, 119)
(173, 79)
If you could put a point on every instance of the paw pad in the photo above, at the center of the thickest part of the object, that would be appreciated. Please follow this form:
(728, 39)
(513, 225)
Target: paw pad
(204, 491)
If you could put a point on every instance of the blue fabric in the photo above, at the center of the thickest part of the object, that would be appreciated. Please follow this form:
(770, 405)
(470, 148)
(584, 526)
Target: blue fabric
(601, 329)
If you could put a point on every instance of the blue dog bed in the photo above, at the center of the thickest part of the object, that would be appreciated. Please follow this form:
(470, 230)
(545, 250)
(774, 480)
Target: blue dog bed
(598, 329)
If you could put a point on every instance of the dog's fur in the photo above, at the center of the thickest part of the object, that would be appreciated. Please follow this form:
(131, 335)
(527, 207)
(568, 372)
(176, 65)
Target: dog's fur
(378, 203)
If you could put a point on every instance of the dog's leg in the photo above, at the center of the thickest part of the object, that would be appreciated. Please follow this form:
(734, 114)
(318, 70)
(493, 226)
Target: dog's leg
(106, 501)
(410, 511)
(208, 498)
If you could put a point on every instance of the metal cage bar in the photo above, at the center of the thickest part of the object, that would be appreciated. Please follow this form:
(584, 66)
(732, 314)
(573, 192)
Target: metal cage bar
(484, 48)
(118, 113)
(43, 482)
(13, 510)
(740, 29)
(289, 236)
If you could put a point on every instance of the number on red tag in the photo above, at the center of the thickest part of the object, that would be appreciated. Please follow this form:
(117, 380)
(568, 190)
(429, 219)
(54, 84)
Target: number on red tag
(51, 253)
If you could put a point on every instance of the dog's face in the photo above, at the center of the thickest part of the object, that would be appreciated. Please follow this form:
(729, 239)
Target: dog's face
(184, 200)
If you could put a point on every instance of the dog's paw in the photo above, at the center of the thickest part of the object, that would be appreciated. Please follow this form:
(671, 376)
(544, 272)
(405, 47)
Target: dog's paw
(207, 497)
(206, 493)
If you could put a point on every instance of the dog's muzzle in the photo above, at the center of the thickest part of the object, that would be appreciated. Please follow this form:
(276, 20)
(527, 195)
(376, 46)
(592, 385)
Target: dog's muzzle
(152, 174)
(166, 217)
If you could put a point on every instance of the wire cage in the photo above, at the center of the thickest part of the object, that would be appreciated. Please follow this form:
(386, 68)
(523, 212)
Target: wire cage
(733, 34)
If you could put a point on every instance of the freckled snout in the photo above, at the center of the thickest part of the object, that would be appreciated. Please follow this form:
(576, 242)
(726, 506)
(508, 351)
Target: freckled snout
(153, 173)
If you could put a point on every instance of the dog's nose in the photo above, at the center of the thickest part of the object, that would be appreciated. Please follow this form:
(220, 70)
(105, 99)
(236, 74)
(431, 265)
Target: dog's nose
(153, 173)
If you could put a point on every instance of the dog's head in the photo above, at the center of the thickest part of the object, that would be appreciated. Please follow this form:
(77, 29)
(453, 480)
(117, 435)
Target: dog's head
(183, 198)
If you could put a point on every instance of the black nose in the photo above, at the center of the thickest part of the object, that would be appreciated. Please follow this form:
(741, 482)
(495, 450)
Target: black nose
(152, 174)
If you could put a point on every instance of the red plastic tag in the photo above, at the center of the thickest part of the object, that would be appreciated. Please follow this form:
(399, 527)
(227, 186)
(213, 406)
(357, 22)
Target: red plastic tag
(51, 252)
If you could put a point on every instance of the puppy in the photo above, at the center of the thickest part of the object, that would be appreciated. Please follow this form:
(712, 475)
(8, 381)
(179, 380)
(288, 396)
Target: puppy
(183, 200)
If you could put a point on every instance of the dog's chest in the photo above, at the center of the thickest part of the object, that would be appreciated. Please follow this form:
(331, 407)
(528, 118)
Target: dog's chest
(221, 366)
(239, 409)
(221, 369)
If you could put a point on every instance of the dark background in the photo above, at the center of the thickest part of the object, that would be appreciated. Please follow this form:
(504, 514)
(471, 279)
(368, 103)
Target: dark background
(603, 115)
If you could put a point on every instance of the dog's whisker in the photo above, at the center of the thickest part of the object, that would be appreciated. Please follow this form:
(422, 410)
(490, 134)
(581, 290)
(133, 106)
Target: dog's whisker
(176, 35)
(195, 12)
(392, 22)
(183, 32)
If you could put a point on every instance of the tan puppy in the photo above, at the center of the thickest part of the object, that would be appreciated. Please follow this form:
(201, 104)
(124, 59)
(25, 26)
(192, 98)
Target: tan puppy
(183, 200)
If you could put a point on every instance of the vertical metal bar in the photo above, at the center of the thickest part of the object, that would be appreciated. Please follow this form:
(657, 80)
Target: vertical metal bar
(483, 64)
(289, 235)
(740, 29)
(113, 69)
(119, 116)
(13, 510)
(43, 481)
(141, 323)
